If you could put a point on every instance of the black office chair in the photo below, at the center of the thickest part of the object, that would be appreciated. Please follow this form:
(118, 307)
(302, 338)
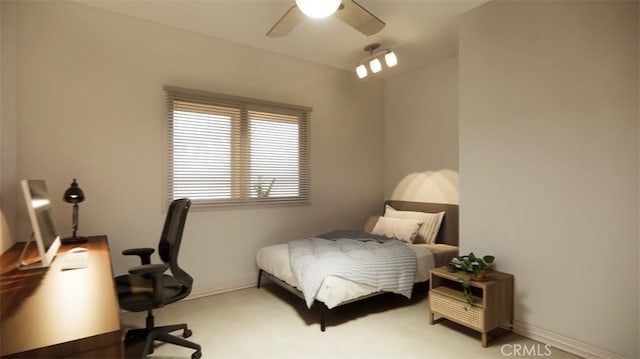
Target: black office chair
(147, 288)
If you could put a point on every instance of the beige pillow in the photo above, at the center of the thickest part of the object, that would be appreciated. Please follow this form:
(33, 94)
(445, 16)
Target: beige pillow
(430, 222)
(404, 229)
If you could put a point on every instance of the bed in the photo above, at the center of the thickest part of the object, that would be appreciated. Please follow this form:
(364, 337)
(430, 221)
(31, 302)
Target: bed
(274, 261)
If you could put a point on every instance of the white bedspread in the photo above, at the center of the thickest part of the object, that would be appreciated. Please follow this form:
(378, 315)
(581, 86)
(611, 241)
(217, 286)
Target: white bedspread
(386, 265)
(334, 290)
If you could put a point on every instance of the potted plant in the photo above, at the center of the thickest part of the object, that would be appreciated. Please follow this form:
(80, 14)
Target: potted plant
(478, 267)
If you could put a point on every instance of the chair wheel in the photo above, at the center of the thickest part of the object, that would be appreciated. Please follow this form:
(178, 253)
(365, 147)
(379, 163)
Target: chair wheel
(129, 339)
(196, 355)
(187, 333)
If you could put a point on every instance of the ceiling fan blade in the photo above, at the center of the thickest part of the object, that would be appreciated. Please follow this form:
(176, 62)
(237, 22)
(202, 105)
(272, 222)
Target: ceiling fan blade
(287, 22)
(356, 16)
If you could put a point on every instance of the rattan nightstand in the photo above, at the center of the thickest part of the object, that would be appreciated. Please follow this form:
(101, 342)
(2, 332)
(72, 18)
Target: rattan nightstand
(492, 305)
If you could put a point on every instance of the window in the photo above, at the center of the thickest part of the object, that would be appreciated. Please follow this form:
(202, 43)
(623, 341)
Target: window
(226, 150)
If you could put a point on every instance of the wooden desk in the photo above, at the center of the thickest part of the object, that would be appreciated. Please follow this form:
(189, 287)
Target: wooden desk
(53, 313)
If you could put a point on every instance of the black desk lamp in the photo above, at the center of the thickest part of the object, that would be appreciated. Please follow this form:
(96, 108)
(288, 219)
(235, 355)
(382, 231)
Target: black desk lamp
(74, 195)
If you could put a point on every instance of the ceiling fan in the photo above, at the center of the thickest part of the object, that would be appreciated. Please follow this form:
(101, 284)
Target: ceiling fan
(349, 11)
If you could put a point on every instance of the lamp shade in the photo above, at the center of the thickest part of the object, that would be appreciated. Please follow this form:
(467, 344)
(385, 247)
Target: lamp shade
(361, 70)
(73, 194)
(375, 65)
(391, 59)
(318, 8)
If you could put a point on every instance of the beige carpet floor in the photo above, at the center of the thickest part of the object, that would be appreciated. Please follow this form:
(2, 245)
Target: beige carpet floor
(272, 323)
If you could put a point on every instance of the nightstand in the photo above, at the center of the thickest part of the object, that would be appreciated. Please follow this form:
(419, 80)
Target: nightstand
(492, 300)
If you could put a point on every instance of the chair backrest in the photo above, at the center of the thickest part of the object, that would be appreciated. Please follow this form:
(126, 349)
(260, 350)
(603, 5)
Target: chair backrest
(171, 237)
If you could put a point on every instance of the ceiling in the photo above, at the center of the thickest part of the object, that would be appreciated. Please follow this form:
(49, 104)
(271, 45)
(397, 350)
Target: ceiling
(419, 31)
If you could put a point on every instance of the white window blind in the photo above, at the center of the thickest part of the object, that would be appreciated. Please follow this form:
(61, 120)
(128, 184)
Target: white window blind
(228, 150)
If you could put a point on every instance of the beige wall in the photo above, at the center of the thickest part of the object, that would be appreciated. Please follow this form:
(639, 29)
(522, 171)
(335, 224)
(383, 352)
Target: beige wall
(8, 113)
(549, 163)
(548, 146)
(4, 240)
(421, 134)
(91, 106)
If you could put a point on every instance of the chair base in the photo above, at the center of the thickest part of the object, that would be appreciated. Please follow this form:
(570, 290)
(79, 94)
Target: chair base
(151, 334)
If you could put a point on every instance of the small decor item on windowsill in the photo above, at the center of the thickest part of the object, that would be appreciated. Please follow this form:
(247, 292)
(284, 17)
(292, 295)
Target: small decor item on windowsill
(262, 190)
(477, 266)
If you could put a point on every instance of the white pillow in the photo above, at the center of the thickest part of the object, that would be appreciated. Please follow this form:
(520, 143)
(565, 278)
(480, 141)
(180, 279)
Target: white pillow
(400, 228)
(430, 227)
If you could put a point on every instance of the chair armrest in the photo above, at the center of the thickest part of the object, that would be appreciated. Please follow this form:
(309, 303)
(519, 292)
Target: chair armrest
(147, 269)
(143, 253)
(155, 272)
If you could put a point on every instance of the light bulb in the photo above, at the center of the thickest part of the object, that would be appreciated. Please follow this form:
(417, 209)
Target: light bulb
(318, 8)
(375, 65)
(361, 70)
(390, 59)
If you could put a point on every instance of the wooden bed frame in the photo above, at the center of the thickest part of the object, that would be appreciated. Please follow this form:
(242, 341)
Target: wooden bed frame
(448, 234)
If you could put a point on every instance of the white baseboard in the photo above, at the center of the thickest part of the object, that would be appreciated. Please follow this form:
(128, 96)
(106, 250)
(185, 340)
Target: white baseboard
(224, 288)
(567, 344)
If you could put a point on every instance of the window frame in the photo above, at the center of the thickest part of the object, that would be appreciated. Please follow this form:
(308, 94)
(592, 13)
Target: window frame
(240, 146)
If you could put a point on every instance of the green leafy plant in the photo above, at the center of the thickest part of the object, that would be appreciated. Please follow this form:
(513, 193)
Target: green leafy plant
(477, 266)
(466, 290)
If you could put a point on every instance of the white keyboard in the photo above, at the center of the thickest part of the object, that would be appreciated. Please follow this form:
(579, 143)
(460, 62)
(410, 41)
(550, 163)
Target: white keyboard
(75, 260)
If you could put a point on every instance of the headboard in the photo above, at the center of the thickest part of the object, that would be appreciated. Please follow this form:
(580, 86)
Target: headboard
(449, 231)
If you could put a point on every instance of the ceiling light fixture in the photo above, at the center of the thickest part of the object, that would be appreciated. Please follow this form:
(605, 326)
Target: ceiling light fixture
(361, 70)
(318, 8)
(373, 59)
(375, 65)
(391, 59)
